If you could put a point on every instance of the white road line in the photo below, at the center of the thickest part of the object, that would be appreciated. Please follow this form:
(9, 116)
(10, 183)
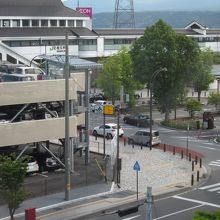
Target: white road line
(133, 217)
(210, 186)
(197, 201)
(215, 189)
(213, 164)
(174, 213)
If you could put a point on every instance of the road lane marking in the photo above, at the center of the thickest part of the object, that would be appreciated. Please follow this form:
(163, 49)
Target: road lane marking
(210, 186)
(197, 201)
(215, 189)
(174, 213)
(133, 217)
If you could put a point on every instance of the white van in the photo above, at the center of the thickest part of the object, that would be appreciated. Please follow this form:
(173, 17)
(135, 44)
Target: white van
(97, 106)
(142, 137)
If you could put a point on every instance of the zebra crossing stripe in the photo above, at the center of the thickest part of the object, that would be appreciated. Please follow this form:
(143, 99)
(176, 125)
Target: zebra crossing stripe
(209, 186)
(215, 189)
(215, 163)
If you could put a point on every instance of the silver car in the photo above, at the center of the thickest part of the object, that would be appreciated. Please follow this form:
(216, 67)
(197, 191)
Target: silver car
(142, 137)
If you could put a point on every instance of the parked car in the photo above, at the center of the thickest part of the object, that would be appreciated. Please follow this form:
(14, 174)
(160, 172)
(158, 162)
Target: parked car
(97, 97)
(142, 137)
(110, 130)
(32, 166)
(140, 120)
(15, 77)
(46, 162)
(37, 73)
(9, 68)
(97, 106)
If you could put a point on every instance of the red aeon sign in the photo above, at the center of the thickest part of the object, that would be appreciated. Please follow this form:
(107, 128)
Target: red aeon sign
(86, 11)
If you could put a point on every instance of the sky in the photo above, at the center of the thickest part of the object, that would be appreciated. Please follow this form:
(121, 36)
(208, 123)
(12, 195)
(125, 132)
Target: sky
(145, 5)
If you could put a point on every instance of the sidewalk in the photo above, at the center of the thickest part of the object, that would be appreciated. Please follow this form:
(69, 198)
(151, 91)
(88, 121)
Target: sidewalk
(163, 171)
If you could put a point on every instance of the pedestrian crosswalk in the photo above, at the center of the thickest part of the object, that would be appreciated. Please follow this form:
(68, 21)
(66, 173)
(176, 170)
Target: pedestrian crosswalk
(215, 163)
(211, 188)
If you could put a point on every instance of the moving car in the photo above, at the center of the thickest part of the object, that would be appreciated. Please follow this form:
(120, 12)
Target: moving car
(110, 130)
(142, 137)
(140, 120)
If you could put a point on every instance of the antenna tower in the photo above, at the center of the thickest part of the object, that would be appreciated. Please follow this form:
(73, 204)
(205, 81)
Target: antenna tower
(124, 14)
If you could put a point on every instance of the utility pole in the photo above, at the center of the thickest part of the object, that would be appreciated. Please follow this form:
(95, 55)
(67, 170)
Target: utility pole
(149, 201)
(67, 141)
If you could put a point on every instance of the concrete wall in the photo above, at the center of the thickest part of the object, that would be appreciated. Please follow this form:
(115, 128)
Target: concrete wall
(35, 131)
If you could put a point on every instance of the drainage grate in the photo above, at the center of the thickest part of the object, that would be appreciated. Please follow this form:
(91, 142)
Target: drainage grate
(179, 186)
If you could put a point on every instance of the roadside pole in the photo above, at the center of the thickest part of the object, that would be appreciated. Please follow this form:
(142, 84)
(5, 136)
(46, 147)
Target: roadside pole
(149, 202)
(137, 168)
(104, 132)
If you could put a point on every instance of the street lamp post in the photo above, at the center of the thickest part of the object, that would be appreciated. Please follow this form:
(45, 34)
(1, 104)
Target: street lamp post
(154, 75)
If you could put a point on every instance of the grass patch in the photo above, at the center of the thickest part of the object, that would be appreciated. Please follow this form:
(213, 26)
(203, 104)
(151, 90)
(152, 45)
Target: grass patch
(218, 139)
(182, 123)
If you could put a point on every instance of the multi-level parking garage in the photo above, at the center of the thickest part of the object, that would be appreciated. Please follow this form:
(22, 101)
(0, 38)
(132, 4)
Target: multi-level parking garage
(23, 99)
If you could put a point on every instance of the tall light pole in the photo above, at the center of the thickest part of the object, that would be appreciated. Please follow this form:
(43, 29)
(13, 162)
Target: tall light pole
(154, 75)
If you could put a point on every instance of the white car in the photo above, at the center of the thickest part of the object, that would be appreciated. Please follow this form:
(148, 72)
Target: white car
(97, 106)
(35, 72)
(32, 166)
(110, 130)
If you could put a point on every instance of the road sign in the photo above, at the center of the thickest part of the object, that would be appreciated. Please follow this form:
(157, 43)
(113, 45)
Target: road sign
(136, 166)
(108, 109)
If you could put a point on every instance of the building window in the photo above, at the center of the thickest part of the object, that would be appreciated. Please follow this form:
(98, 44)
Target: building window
(35, 43)
(35, 23)
(62, 23)
(44, 23)
(0, 56)
(6, 23)
(73, 42)
(26, 23)
(15, 44)
(15, 23)
(25, 43)
(53, 23)
(79, 23)
(70, 23)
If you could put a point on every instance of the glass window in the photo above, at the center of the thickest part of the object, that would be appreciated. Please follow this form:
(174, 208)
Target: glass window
(79, 23)
(53, 23)
(15, 23)
(6, 23)
(70, 23)
(44, 23)
(35, 23)
(29, 71)
(25, 23)
(62, 23)
(73, 42)
(25, 43)
(15, 44)
(35, 43)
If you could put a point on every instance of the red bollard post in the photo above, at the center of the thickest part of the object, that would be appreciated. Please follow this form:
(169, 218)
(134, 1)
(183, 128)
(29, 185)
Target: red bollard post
(30, 214)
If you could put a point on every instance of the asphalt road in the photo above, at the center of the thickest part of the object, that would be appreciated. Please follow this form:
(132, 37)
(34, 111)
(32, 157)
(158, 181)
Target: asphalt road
(182, 206)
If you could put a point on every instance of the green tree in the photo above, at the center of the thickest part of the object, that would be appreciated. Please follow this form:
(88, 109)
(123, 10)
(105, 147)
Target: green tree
(202, 215)
(192, 106)
(214, 99)
(202, 74)
(12, 174)
(160, 46)
(117, 71)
